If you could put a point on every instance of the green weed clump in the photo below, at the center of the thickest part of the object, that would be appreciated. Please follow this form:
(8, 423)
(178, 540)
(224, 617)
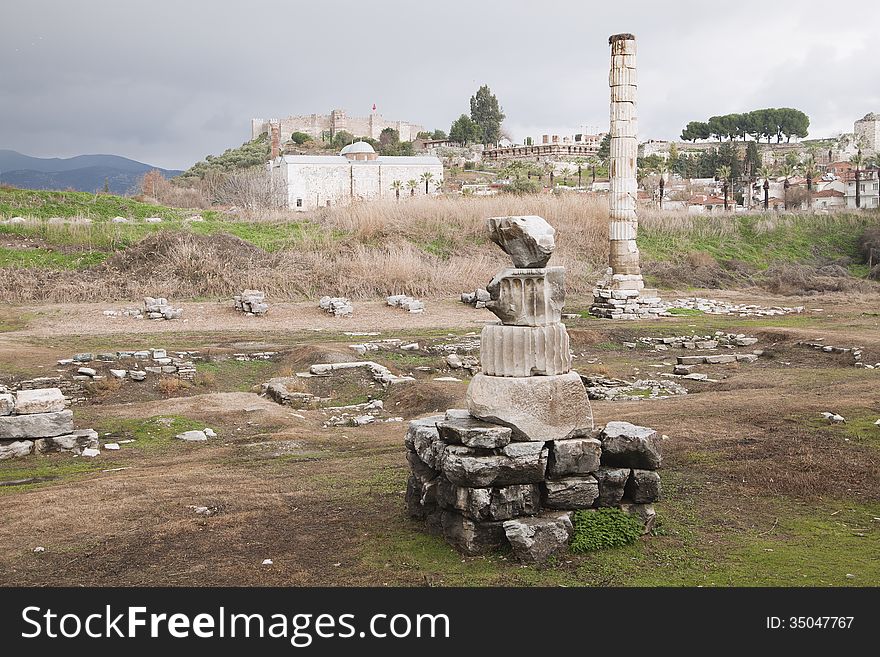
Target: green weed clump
(685, 312)
(605, 528)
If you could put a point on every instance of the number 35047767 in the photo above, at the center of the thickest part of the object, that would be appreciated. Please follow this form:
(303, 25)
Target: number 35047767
(810, 622)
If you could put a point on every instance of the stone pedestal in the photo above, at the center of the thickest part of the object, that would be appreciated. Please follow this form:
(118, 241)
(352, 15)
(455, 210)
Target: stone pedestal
(512, 468)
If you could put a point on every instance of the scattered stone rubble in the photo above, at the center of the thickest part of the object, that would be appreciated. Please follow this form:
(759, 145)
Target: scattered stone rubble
(133, 365)
(478, 298)
(717, 359)
(605, 388)
(336, 306)
(39, 421)
(158, 308)
(512, 467)
(407, 303)
(197, 436)
(854, 352)
(712, 307)
(251, 302)
(714, 341)
(379, 372)
(137, 313)
(356, 415)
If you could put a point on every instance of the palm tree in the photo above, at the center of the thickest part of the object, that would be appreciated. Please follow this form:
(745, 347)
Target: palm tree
(723, 174)
(859, 160)
(593, 161)
(765, 172)
(549, 168)
(397, 185)
(580, 162)
(662, 170)
(811, 171)
(788, 170)
(412, 184)
(426, 178)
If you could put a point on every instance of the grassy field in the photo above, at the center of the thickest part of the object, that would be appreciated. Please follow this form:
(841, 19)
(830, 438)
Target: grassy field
(423, 246)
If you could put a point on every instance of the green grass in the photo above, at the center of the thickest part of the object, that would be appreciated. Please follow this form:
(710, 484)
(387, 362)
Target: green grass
(40, 257)
(812, 549)
(789, 544)
(859, 428)
(236, 375)
(153, 434)
(791, 238)
(47, 204)
(685, 312)
(13, 320)
(602, 529)
(52, 468)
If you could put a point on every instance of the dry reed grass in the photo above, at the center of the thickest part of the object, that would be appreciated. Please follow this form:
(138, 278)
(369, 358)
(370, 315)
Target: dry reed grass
(426, 247)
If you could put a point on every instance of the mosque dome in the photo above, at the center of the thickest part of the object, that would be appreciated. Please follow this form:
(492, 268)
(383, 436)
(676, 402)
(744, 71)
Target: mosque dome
(359, 150)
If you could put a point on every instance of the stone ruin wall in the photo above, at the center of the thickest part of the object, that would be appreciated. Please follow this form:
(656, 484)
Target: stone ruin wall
(316, 124)
(867, 131)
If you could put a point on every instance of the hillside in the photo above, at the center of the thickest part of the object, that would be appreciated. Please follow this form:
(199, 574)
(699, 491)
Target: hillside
(87, 173)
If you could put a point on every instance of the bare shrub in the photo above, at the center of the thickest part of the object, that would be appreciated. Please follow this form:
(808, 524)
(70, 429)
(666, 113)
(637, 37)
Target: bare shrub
(170, 385)
(869, 246)
(797, 279)
(153, 186)
(253, 189)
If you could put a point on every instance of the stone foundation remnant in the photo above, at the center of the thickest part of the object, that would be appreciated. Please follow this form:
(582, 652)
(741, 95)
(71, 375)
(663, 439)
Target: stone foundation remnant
(39, 421)
(336, 306)
(406, 303)
(158, 308)
(512, 467)
(478, 298)
(251, 302)
(621, 294)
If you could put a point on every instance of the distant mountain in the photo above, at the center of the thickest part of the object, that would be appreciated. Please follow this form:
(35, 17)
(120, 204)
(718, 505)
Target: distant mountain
(85, 173)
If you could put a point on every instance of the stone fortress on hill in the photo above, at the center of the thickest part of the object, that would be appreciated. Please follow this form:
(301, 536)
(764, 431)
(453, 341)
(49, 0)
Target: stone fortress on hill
(319, 126)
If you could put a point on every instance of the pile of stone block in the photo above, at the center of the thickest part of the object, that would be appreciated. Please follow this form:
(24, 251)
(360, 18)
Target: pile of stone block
(407, 303)
(38, 420)
(158, 308)
(478, 298)
(623, 296)
(251, 302)
(336, 306)
(479, 488)
(513, 466)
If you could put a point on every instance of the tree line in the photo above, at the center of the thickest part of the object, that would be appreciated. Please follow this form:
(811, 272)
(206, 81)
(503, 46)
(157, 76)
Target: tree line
(758, 124)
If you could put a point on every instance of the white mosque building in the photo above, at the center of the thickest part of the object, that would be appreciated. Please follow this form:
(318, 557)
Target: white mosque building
(357, 173)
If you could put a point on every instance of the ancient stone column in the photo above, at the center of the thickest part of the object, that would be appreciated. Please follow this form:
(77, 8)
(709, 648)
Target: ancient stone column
(621, 294)
(624, 255)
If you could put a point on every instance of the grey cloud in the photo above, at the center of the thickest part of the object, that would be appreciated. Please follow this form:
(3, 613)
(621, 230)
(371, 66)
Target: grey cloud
(169, 82)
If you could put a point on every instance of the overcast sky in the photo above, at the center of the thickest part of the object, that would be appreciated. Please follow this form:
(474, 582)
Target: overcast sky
(169, 82)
